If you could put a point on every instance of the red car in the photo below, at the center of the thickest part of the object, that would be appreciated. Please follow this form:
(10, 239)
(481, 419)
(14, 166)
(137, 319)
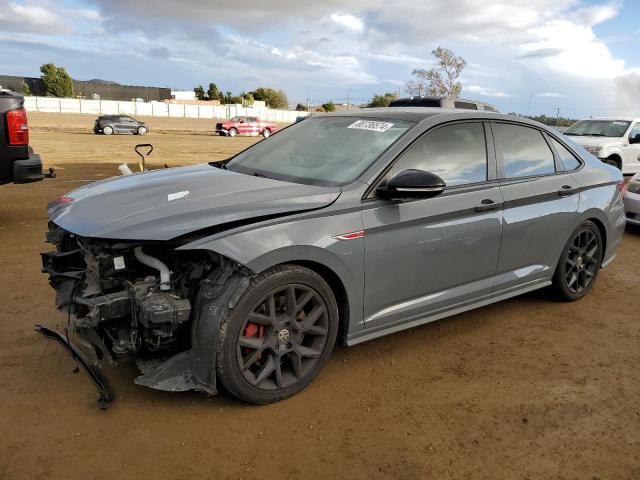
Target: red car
(246, 126)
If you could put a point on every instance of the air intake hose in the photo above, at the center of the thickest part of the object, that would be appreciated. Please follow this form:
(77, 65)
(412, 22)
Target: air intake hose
(149, 261)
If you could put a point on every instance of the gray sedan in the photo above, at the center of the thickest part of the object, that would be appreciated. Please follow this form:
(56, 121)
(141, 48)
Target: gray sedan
(632, 200)
(341, 228)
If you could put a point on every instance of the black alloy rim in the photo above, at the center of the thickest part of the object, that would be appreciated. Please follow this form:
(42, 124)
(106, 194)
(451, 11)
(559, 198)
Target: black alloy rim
(582, 260)
(283, 337)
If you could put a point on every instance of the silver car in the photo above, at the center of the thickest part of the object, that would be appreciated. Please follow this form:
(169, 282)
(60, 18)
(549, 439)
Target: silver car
(344, 227)
(632, 200)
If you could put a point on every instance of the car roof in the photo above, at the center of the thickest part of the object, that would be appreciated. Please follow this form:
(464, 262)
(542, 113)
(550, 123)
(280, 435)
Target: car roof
(419, 114)
(620, 119)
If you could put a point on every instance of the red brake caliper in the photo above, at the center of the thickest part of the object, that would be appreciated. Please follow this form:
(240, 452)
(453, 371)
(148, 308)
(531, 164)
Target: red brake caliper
(252, 330)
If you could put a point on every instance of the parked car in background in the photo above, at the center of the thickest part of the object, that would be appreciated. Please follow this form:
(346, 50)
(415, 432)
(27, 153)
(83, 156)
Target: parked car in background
(443, 102)
(615, 141)
(632, 200)
(113, 124)
(18, 163)
(344, 226)
(242, 125)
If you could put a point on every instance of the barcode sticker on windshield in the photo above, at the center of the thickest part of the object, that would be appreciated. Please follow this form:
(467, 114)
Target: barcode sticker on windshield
(371, 126)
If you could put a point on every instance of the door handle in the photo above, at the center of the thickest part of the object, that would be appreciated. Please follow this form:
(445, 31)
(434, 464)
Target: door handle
(566, 191)
(486, 205)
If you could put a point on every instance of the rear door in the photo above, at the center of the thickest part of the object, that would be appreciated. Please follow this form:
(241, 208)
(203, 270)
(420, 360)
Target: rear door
(540, 205)
(423, 256)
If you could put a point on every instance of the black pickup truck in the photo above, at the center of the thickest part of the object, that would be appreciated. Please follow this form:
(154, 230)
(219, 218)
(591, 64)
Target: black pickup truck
(18, 163)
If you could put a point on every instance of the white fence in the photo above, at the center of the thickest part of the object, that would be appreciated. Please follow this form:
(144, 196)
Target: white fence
(154, 109)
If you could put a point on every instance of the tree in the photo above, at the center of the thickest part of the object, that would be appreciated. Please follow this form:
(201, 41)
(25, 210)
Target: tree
(329, 106)
(441, 79)
(382, 100)
(214, 93)
(26, 91)
(199, 91)
(248, 98)
(57, 82)
(273, 98)
(301, 108)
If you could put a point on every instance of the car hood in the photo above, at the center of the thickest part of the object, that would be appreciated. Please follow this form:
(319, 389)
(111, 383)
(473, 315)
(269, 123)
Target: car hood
(591, 141)
(165, 204)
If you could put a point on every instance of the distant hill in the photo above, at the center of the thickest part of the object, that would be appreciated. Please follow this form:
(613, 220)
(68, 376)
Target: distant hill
(106, 82)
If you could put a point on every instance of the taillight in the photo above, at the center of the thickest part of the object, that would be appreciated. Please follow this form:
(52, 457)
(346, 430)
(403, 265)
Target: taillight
(622, 187)
(18, 127)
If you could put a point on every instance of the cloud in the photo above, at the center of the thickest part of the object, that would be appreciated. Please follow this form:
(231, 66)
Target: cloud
(485, 91)
(626, 88)
(350, 22)
(35, 17)
(595, 14)
(550, 95)
(542, 53)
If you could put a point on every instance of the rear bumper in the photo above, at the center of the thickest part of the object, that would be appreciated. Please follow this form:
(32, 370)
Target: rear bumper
(29, 170)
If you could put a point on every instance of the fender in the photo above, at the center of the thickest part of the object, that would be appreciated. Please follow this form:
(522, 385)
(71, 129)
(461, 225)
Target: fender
(260, 247)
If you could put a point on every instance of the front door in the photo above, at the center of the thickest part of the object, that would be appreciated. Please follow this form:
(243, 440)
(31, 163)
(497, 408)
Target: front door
(424, 256)
(540, 206)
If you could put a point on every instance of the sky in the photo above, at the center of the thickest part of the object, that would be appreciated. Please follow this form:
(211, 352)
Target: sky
(525, 56)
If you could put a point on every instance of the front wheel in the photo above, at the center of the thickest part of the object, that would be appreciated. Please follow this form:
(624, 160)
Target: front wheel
(107, 130)
(278, 336)
(233, 132)
(266, 133)
(579, 263)
(142, 130)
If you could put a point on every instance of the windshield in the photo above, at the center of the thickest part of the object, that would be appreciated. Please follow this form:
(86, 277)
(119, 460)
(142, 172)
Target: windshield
(321, 150)
(598, 128)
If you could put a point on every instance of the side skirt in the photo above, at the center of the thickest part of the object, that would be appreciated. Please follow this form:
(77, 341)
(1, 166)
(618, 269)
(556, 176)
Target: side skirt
(376, 332)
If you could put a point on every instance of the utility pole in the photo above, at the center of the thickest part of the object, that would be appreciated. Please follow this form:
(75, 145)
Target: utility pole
(528, 105)
(349, 100)
(308, 104)
(557, 115)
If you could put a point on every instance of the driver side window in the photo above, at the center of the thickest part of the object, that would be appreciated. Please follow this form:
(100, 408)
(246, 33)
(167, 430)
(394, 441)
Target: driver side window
(457, 153)
(635, 131)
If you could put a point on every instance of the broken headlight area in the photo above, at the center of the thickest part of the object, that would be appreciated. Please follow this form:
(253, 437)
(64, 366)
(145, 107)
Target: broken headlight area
(126, 298)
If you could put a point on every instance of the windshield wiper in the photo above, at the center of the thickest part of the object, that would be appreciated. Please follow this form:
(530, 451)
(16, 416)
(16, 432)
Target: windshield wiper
(259, 174)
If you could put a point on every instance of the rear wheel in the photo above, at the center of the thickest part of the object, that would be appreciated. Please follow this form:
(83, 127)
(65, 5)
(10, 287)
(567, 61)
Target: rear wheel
(579, 263)
(279, 335)
(266, 133)
(107, 130)
(233, 132)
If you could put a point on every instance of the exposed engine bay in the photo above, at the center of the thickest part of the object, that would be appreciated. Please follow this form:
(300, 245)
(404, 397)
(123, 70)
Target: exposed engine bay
(137, 299)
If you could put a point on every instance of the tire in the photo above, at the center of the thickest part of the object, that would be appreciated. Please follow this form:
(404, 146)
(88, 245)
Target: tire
(266, 133)
(262, 358)
(579, 263)
(108, 130)
(233, 132)
(142, 130)
(614, 162)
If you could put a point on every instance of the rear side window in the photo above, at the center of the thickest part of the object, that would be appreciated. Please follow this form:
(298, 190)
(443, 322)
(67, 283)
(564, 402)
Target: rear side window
(568, 159)
(457, 153)
(525, 152)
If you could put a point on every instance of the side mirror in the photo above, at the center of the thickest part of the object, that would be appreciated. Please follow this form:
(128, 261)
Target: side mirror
(412, 184)
(635, 140)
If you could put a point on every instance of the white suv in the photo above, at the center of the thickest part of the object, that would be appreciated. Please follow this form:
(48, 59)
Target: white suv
(613, 140)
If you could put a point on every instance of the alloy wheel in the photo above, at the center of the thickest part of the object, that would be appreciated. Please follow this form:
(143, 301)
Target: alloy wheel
(283, 337)
(582, 260)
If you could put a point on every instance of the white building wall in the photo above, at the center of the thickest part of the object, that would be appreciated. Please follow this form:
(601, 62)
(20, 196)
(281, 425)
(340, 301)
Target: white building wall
(155, 109)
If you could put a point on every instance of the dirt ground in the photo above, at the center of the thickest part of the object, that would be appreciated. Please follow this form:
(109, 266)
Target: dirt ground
(524, 389)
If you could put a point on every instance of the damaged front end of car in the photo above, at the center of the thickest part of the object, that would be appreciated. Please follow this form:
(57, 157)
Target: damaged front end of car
(144, 300)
